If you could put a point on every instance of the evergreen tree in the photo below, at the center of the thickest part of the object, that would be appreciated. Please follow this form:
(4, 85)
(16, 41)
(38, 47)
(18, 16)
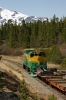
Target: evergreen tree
(33, 38)
(40, 34)
(55, 54)
(64, 31)
(0, 37)
(12, 37)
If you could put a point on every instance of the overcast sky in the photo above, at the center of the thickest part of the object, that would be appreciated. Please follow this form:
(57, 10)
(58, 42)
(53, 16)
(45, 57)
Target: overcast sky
(39, 8)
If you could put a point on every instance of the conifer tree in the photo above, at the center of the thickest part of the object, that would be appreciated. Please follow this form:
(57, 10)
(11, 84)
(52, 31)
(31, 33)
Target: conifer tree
(64, 31)
(33, 38)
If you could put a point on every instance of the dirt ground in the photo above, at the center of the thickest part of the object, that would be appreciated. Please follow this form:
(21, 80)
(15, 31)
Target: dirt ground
(4, 66)
(7, 93)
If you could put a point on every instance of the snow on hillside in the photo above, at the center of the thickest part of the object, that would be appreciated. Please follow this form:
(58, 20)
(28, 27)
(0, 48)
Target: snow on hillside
(6, 14)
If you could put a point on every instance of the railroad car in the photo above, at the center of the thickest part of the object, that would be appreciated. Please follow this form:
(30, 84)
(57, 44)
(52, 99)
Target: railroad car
(34, 59)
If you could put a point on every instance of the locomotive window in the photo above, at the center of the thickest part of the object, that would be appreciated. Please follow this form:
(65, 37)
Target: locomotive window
(42, 54)
(31, 55)
(36, 54)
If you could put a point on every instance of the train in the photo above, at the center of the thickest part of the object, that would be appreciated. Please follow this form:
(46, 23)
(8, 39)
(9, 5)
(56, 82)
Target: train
(36, 60)
(33, 60)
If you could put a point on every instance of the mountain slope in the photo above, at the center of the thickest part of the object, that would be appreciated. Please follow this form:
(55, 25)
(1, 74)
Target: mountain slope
(6, 14)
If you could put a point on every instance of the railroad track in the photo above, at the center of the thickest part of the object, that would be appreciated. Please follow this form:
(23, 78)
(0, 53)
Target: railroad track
(52, 89)
(56, 81)
(19, 66)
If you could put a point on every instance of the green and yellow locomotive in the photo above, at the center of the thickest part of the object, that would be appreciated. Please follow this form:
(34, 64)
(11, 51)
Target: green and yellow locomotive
(34, 59)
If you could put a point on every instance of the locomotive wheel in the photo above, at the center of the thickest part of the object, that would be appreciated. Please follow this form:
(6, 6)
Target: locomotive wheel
(23, 66)
(27, 69)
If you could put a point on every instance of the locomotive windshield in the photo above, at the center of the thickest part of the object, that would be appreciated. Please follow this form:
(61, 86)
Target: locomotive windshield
(42, 54)
(37, 54)
(33, 54)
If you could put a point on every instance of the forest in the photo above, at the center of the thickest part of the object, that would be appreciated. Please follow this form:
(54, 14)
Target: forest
(40, 34)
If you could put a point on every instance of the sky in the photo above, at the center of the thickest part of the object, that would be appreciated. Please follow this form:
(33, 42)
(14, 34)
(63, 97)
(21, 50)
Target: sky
(38, 8)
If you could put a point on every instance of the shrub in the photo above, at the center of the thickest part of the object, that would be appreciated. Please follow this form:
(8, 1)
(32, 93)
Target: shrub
(63, 64)
(23, 91)
(55, 54)
(52, 97)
